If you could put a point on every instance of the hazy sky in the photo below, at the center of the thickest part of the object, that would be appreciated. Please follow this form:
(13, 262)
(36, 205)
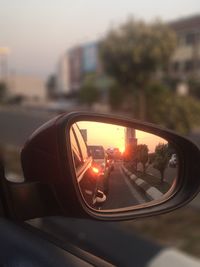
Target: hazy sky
(38, 32)
(102, 134)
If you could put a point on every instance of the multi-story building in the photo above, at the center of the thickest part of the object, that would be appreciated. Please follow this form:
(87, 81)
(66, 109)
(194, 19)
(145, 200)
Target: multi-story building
(130, 137)
(130, 143)
(90, 59)
(185, 62)
(75, 68)
(63, 77)
(75, 65)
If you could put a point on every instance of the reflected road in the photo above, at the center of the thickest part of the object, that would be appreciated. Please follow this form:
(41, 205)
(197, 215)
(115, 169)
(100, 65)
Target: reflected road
(122, 192)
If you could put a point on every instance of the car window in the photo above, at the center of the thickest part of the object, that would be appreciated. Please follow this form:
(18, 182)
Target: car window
(75, 150)
(81, 143)
(97, 152)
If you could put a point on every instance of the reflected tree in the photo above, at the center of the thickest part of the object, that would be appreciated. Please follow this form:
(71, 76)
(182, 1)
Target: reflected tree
(142, 155)
(161, 159)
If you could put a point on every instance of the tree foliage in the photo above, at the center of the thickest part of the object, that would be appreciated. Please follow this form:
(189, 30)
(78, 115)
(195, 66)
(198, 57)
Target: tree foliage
(115, 96)
(194, 86)
(89, 92)
(3, 90)
(135, 50)
(179, 113)
(51, 85)
(133, 53)
(142, 155)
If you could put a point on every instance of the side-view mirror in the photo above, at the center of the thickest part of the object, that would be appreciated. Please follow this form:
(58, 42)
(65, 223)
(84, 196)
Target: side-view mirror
(111, 168)
(142, 170)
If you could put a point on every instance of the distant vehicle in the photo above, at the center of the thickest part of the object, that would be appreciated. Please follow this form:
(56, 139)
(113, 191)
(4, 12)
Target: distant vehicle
(114, 153)
(99, 157)
(60, 106)
(173, 161)
(100, 161)
(109, 161)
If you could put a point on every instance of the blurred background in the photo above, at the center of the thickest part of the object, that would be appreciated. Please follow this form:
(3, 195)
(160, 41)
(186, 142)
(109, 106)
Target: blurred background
(140, 59)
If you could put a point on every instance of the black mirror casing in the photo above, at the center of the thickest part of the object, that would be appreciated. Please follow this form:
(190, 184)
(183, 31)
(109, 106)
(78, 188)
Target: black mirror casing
(47, 158)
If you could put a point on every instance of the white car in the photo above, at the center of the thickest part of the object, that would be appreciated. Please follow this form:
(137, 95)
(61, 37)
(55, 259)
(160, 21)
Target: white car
(173, 161)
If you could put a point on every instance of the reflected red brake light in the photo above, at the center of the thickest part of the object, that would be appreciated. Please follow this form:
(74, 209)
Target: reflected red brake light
(95, 170)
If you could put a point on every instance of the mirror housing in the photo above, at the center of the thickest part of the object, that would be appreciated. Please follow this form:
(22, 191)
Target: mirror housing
(47, 158)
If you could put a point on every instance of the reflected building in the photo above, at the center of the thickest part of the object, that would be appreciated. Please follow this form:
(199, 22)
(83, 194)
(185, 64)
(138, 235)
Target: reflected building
(130, 140)
(130, 137)
(130, 143)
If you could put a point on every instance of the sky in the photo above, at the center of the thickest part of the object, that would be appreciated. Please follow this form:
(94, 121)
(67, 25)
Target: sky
(39, 32)
(113, 136)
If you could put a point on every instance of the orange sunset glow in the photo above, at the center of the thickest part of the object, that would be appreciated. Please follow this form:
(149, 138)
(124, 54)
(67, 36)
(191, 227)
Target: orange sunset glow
(113, 136)
(107, 135)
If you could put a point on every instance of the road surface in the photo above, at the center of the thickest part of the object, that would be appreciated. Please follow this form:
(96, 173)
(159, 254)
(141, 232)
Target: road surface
(122, 193)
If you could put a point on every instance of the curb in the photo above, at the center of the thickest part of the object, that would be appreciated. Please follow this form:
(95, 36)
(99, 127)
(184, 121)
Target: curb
(151, 191)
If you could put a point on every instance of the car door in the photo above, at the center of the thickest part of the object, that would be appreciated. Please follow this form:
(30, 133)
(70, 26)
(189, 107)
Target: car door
(86, 177)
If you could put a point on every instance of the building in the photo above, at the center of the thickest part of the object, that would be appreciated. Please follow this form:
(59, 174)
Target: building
(63, 77)
(185, 62)
(90, 59)
(130, 137)
(75, 68)
(75, 65)
(130, 143)
(26, 86)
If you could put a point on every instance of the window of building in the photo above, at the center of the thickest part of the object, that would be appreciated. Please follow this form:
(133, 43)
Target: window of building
(189, 65)
(190, 38)
(176, 66)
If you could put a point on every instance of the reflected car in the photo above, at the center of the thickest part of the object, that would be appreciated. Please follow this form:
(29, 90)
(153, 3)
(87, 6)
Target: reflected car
(100, 160)
(87, 172)
(109, 162)
(173, 161)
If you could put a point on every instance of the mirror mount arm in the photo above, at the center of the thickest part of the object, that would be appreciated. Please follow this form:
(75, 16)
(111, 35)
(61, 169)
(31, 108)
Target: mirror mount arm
(28, 200)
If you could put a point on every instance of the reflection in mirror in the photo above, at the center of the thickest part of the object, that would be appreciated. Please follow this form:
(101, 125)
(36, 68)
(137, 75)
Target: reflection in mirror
(119, 167)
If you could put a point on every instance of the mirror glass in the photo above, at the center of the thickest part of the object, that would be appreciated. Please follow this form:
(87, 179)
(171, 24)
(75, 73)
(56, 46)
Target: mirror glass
(120, 167)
